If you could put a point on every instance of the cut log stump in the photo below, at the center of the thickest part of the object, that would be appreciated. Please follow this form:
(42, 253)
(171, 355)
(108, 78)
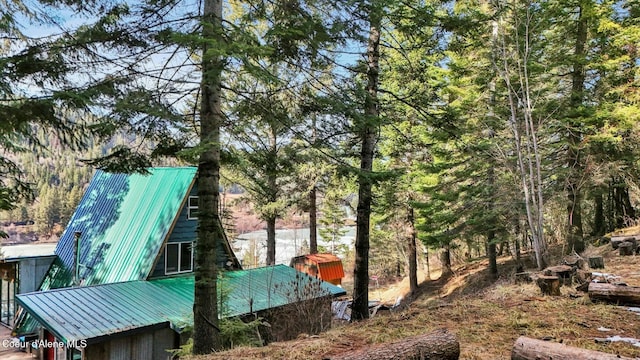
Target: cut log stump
(617, 294)
(549, 285)
(596, 262)
(583, 278)
(437, 345)
(563, 272)
(627, 248)
(575, 262)
(531, 349)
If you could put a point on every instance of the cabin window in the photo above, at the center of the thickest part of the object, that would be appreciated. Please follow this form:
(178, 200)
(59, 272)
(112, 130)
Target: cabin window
(192, 208)
(178, 258)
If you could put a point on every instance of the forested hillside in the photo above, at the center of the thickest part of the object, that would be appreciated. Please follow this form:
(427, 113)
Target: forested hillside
(57, 179)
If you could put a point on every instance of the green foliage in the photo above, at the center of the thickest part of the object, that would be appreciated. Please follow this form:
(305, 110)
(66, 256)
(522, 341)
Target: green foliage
(235, 332)
(185, 349)
(332, 218)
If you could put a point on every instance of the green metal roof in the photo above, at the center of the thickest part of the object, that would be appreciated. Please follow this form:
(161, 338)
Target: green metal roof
(123, 220)
(253, 290)
(91, 312)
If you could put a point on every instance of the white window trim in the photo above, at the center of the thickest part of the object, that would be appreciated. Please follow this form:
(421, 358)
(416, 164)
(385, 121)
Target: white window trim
(180, 244)
(190, 208)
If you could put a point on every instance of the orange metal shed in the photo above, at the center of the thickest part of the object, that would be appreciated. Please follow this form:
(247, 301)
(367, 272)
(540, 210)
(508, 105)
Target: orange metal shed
(327, 267)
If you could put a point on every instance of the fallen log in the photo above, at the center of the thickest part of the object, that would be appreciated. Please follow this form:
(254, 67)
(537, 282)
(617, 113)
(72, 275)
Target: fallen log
(437, 345)
(618, 294)
(616, 241)
(531, 349)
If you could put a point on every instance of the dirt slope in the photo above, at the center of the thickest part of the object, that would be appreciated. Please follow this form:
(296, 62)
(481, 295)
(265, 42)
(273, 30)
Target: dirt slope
(486, 315)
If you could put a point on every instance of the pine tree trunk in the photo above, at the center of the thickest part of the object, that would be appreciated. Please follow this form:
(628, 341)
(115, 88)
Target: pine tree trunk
(206, 334)
(491, 234)
(368, 134)
(445, 259)
(271, 240)
(492, 254)
(611, 224)
(575, 234)
(313, 206)
(313, 222)
(630, 211)
(617, 205)
(413, 257)
(272, 183)
(599, 225)
(516, 242)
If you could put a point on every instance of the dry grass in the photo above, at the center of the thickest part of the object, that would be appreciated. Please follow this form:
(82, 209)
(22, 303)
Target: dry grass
(486, 315)
(631, 230)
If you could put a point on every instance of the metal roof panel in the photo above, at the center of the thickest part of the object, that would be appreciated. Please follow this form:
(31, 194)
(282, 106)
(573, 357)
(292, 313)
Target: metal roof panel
(94, 311)
(89, 312)
(123, 220)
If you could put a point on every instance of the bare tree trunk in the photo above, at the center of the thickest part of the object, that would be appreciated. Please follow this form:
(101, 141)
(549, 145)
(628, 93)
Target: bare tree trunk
(532, 150)
(368, 135)
(528, 156)
(206, 334)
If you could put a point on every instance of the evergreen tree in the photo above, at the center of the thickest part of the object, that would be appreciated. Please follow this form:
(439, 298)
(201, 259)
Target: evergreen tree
(333, 215)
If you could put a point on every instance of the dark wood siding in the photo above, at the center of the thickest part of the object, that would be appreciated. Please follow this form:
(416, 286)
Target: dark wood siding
(148, 345)
(185, 230)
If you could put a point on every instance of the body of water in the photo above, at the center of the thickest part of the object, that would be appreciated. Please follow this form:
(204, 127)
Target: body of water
(289, 243)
